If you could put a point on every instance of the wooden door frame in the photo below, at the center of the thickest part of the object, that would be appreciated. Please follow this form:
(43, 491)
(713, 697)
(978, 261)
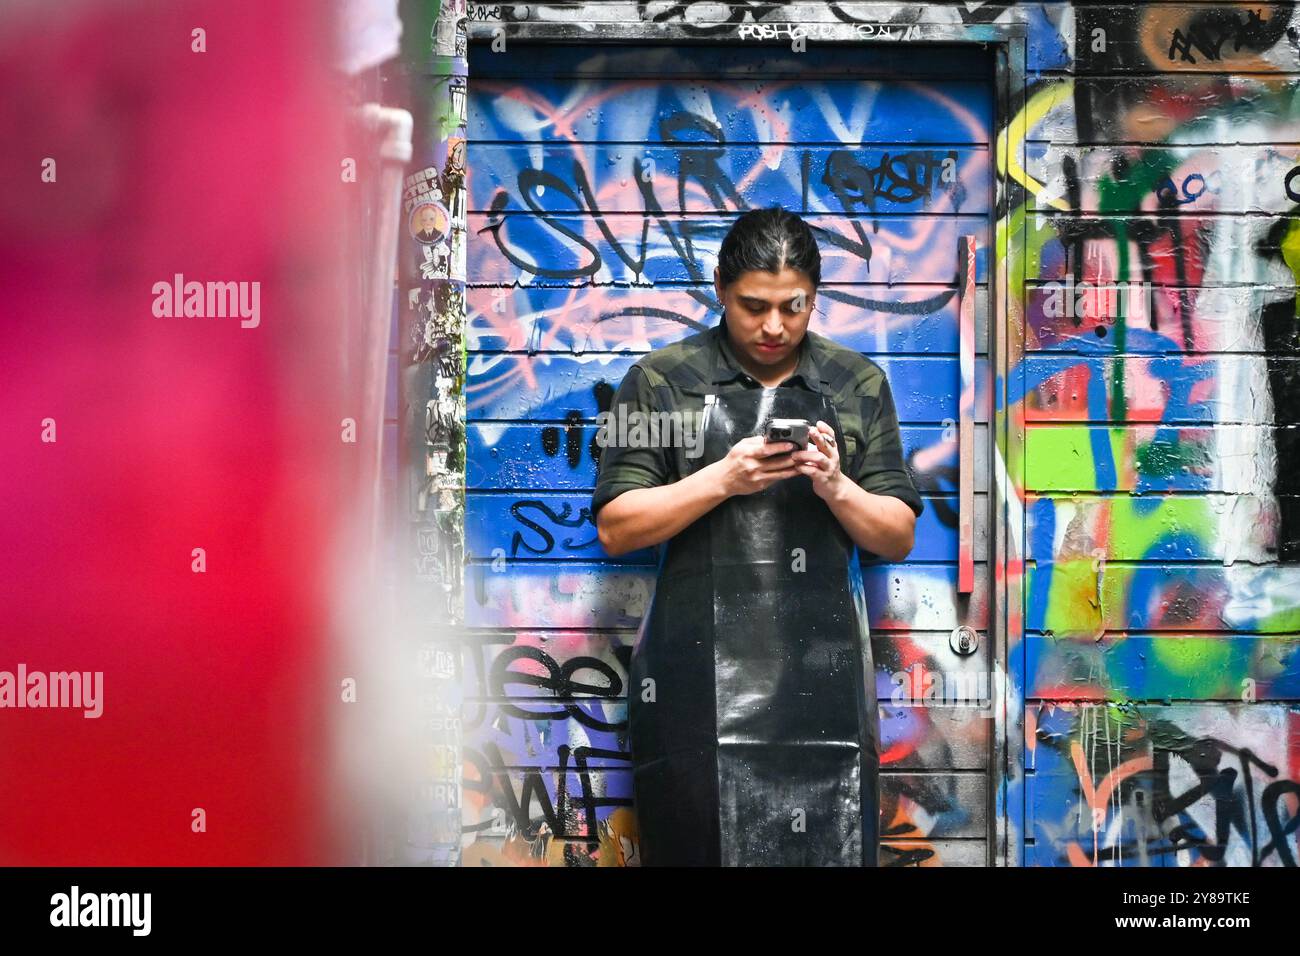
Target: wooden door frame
(910, 25)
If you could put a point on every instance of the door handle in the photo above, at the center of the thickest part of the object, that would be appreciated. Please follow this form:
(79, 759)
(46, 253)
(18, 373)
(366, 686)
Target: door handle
(966, 416)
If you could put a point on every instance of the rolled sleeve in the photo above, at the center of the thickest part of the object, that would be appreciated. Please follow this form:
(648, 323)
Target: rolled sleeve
(880, 468)
(622, 468)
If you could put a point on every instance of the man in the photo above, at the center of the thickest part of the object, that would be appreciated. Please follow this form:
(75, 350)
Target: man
(752, 705)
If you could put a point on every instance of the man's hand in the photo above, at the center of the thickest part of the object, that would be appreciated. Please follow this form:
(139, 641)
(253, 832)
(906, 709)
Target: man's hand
(753, 464)
(821, 461)
(881, 524)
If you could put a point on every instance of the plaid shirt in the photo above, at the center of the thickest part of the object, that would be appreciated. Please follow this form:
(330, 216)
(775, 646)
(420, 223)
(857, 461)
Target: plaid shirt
(677, 376)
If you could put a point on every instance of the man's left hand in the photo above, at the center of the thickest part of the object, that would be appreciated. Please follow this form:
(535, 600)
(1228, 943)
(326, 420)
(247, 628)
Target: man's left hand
(820, 461)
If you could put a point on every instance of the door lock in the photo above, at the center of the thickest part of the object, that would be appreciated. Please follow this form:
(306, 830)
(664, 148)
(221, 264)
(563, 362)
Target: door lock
(963, 640)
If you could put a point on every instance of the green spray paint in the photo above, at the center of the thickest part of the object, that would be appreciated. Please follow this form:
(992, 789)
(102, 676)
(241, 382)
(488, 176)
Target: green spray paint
(1291, 255)
(1118, 196)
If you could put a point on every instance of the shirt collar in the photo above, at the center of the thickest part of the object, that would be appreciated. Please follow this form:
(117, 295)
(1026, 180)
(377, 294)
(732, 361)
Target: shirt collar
(727, 367)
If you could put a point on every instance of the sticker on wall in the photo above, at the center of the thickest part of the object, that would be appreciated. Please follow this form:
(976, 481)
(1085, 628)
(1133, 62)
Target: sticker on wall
(429, 222)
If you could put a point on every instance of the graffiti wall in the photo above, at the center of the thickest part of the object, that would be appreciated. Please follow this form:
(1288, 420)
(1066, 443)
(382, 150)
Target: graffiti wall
(1158, 477)
(1131, 181)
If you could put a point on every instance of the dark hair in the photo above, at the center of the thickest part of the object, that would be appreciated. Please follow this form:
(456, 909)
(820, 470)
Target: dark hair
(769, 239)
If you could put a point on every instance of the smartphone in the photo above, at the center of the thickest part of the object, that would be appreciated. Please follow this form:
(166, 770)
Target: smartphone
(789, 429)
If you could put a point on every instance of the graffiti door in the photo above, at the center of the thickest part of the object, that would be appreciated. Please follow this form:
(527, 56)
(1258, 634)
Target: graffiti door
(601, 181)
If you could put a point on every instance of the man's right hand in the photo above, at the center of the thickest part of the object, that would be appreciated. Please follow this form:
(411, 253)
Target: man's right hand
(755, 463)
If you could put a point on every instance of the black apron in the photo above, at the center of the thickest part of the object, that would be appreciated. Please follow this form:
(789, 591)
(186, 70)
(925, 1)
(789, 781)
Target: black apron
(752, 700)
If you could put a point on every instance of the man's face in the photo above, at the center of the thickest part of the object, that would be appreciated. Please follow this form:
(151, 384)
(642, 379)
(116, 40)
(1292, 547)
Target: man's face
(426, 220)
(767, 314)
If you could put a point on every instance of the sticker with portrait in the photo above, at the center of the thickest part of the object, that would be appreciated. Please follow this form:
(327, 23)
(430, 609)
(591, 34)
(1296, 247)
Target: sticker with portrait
(429, 222)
